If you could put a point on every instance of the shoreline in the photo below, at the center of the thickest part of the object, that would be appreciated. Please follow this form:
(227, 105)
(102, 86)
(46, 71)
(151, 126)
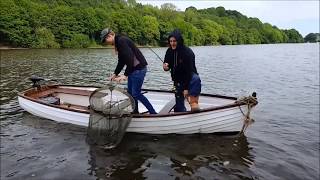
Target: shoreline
(110, 47)
(94, 47)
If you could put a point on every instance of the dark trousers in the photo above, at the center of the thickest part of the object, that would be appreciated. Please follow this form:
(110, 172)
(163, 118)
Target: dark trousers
(179, 107)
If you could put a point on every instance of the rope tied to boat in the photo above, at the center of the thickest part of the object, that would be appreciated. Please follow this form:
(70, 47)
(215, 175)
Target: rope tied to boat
(250, 102)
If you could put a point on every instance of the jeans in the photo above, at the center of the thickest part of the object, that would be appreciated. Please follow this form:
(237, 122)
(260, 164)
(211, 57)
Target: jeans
(194, 90)
(135, 81)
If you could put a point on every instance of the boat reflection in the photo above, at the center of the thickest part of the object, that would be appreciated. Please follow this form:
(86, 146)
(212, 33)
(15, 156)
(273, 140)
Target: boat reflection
(141, 156)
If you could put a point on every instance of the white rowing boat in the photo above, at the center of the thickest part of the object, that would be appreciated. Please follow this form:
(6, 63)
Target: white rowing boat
(69, 104)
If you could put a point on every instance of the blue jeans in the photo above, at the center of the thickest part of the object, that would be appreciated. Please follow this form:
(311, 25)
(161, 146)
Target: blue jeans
(194, 90)
(135, 81)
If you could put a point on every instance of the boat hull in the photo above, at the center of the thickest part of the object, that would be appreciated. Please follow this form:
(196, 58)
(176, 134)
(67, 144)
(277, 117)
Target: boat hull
(218, 121)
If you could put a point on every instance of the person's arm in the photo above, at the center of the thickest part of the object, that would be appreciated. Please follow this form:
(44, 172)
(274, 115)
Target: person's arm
(119, 67)
(167, 62)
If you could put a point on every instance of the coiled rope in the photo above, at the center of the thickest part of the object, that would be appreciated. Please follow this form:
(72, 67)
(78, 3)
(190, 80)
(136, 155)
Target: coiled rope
(250, 101)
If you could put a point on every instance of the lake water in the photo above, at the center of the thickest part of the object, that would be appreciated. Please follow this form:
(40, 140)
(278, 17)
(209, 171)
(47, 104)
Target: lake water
(283, 143)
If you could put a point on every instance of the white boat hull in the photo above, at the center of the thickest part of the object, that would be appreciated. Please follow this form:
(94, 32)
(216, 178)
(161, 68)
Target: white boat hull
(223, 120)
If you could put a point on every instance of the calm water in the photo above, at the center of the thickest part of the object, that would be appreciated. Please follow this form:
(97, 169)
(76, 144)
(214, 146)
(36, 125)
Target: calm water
(283, 143)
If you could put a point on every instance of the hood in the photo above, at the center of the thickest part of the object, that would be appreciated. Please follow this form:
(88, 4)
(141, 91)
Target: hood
(176, 34)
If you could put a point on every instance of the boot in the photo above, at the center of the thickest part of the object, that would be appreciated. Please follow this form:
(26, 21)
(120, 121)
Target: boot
(194, 103)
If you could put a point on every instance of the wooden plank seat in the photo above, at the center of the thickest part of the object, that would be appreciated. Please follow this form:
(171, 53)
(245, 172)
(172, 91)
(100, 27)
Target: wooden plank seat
(168, 107)
(74, 107)
(72, 91)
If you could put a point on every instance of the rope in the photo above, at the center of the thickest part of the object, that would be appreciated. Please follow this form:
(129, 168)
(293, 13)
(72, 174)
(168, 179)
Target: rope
(250, 101)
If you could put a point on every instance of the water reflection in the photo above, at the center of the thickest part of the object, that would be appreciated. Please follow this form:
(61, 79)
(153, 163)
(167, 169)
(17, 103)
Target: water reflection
(285, 138)
(170, 156)
(138, 156)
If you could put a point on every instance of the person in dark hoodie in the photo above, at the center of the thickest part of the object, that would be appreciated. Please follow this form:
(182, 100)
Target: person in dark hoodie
(136, 66)
(180, 60)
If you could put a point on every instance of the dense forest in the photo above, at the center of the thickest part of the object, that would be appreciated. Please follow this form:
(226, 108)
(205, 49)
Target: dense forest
(312, 37)
(77, 24)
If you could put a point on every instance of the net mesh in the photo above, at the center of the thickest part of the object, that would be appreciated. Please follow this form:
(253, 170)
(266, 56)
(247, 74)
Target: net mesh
(110, 115)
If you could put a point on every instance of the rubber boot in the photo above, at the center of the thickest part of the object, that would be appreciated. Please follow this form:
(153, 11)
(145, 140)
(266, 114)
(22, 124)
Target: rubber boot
(194, 103)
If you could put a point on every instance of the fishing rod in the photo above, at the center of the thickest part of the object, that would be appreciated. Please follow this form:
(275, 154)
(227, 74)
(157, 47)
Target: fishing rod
(173, 88)
(156, 54)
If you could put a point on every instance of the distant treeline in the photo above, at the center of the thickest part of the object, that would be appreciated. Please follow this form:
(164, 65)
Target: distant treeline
(77, 24)
(312, 37)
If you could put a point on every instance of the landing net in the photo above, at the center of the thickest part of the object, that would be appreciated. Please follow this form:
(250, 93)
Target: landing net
(110, 114)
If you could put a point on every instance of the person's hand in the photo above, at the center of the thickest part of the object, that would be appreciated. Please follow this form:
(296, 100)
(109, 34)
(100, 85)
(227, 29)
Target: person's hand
(165, 66)
(121, 78)
(112, 77)
(185, 93)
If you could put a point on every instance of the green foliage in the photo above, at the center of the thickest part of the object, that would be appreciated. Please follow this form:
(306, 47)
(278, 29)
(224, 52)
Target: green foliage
(225, 39)
(77, 41)
(15, 27)
(189, 32)
(44, 39)
(253, 36)
(77, 24)
(151, 30)
(127, 22)
(164, 29)
(293, 36)
(312, 37)
(168, 7)
(211, 31)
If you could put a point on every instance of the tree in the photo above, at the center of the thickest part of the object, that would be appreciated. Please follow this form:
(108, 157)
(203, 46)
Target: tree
(168, 7)
(64, 24)
(293, 36)
(191, 8)
(131, 3)
(189, 32)
(164, 28)
(312, 37)
(87, 21)
(127, 23)
(44, 39)
(14, 24)
(150, 29)
(210, 31)
(224, 38)
(253, 36)
(77, 41)
(43, 23)
(221, 11)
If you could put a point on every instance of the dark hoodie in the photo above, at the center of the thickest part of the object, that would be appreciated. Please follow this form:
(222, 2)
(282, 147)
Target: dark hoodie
(129, 55)
(181, 61)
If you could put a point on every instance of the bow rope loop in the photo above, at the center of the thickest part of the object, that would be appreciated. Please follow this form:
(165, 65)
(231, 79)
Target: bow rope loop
(250, 101)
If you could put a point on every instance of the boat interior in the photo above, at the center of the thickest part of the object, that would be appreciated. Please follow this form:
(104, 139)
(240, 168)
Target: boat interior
(77, 98)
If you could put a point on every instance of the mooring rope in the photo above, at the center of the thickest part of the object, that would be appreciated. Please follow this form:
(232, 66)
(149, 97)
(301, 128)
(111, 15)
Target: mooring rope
(250, 101)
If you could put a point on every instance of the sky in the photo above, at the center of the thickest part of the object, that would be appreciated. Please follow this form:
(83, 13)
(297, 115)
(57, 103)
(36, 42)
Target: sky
(300, 15)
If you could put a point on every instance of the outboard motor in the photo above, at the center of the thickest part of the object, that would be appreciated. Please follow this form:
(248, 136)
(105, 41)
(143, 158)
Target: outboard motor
(254, 94)
(36, 81)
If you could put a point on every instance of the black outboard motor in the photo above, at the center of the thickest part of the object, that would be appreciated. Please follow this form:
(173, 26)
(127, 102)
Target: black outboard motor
(254, 94)
(36, 81)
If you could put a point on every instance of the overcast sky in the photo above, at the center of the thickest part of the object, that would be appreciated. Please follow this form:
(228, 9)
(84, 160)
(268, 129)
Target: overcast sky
(300, 15)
